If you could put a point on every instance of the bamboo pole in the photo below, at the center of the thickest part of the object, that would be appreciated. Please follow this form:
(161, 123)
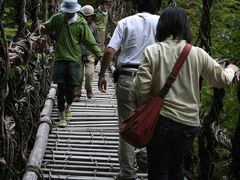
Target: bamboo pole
(36, 156)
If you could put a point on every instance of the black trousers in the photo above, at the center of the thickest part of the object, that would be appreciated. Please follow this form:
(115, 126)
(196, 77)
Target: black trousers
(65, 93)
(166, 150)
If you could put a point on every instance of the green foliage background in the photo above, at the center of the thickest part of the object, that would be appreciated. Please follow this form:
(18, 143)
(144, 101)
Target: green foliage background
(225, 38)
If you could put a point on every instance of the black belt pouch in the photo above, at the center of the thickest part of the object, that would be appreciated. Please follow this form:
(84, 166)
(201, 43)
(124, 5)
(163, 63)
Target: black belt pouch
(115, 75)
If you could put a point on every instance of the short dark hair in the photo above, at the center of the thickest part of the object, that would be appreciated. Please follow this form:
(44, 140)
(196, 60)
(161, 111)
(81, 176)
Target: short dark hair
(173, 21)
(104, 1)
(151, 6)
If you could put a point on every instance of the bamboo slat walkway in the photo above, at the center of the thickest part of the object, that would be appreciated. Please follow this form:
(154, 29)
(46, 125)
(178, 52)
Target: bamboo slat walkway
(88, 147)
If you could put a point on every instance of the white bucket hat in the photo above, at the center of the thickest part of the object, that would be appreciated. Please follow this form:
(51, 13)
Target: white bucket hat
(70, 6)
(87, 10)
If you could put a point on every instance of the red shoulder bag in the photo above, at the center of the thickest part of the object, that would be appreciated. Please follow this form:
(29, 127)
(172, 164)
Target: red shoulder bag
(138, 128)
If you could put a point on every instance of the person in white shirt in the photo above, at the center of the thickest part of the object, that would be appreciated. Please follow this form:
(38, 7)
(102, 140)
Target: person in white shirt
(131, 36)
(179, 119)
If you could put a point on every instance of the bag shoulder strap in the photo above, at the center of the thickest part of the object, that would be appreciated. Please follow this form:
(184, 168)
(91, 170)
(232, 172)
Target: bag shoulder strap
(173, 75)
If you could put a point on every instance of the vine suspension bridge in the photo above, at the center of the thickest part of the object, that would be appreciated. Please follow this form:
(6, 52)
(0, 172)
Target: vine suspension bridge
(87, 148)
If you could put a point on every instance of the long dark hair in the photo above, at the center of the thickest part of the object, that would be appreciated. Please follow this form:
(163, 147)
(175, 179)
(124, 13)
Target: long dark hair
(173, 21)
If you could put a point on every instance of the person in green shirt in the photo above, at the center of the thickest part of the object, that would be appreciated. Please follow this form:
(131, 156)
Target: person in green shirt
(101, 19)
(71, 30)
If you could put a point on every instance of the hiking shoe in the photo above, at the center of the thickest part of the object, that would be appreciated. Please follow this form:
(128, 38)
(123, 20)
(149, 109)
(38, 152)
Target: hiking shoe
(76, 99)
(90, 94)
(68, 115)
(62, 123)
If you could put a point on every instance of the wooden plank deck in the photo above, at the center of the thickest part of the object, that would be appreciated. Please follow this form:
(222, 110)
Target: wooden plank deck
(88, 147)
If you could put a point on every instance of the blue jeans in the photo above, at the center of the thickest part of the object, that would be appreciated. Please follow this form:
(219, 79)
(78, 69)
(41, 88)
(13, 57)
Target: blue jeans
(166, 150)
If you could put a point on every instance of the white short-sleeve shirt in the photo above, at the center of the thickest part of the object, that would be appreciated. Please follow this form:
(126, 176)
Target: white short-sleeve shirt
(132, 35)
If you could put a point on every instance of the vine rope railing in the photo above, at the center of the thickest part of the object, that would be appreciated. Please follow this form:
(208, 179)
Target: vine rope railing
(25, 66)
(28, 83)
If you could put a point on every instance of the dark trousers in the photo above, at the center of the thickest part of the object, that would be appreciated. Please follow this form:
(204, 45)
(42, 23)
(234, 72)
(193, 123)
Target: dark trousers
(64, 93)
(166, 150)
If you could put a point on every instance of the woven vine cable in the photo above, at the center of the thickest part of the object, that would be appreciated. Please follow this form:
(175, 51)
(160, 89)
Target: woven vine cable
(205, 26)
(22, 106)
(35, 8)
(206, 138)
(21, 19)
(5, 160)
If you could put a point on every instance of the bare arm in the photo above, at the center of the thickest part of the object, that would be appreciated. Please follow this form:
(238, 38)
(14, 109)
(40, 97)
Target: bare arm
(106, 60)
